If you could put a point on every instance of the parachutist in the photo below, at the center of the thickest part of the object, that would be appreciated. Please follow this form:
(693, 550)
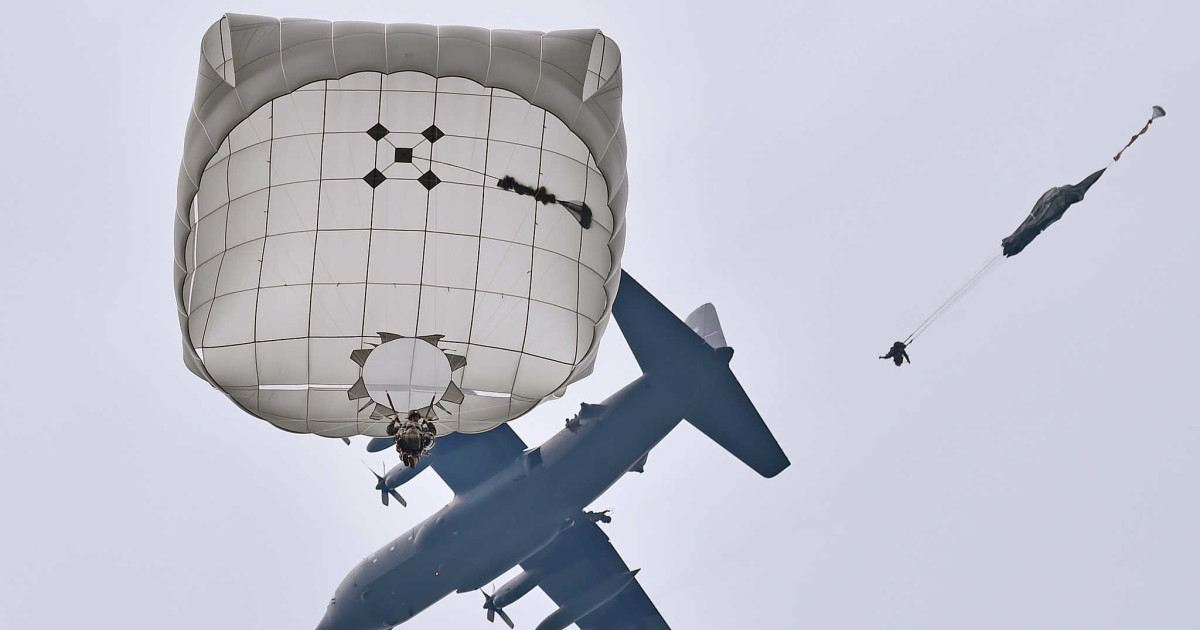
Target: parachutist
(599, 517)
(414, 437)
(579, 210)
(573, 423)
(898, 353)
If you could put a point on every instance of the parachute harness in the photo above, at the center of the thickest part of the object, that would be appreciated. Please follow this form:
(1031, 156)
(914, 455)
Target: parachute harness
(993, 262)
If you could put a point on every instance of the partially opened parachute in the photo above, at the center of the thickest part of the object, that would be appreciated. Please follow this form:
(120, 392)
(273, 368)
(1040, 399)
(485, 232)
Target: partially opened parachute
(375, 218)
(1048, 209)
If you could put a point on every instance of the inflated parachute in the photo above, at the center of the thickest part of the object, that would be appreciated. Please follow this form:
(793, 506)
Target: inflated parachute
(383, 218)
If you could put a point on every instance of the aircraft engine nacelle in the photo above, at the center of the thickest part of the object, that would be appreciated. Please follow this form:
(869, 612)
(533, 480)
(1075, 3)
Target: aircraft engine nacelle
(516, 588)
(579, 607)
(401, 474)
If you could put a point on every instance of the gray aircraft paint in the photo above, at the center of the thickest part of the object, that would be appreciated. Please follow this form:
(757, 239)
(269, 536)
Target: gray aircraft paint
(825, 175)
(524, 507)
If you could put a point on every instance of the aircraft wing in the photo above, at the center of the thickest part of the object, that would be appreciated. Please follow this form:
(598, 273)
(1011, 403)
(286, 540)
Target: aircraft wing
(582, 557)
(464, 461)
(630, 610)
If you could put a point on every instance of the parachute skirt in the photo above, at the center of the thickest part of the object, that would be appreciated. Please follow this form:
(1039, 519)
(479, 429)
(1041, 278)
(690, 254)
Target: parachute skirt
(247, 63)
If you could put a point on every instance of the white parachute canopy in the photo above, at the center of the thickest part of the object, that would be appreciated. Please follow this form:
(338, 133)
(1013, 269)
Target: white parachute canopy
(423, 217)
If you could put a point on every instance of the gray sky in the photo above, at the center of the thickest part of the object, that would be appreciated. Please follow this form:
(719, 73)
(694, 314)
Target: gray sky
(825, 172)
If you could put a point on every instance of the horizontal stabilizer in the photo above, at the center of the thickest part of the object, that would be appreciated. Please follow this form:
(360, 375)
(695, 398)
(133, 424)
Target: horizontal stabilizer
(659, 341)
(728, 417)
(712, 400)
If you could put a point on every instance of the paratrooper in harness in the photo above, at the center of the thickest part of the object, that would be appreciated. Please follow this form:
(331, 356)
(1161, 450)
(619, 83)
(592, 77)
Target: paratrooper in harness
(897, 353)
(415, 437)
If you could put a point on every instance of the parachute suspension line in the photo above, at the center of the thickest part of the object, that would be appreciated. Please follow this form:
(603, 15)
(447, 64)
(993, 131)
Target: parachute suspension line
(1155, 112)
(925, 323)
(966, 287)
(961, 293)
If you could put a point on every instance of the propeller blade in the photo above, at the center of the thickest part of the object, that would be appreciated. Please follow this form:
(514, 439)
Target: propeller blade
(384, 495)
(378, 477)
(490, 604)
(399, 499)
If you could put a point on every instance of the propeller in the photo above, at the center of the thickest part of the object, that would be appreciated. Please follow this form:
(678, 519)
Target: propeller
(384, 490)
(490, 605)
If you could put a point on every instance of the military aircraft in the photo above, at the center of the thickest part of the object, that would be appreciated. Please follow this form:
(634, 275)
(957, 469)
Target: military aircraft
(515, 505)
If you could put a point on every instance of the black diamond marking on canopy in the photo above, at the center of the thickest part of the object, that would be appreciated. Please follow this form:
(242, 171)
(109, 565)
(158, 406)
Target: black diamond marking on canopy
(432, 134)
(429, 180)
(374, 178)
(404, 155)
(377, 132)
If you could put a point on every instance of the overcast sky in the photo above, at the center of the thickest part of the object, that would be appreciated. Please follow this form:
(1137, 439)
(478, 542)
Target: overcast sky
(825, 172)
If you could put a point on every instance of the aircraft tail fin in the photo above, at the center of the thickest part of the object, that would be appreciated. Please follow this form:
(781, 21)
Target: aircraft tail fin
(698, 368)
(704, 322)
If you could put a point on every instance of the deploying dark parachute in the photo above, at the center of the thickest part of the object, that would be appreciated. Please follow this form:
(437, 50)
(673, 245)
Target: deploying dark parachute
(1052, 205)
(1049, 208)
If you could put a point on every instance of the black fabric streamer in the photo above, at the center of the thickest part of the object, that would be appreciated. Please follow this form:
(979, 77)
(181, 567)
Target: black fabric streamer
(580, 210)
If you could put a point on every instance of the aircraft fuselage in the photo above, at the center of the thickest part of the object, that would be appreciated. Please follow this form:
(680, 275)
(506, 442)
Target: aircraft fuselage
(506, 519)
